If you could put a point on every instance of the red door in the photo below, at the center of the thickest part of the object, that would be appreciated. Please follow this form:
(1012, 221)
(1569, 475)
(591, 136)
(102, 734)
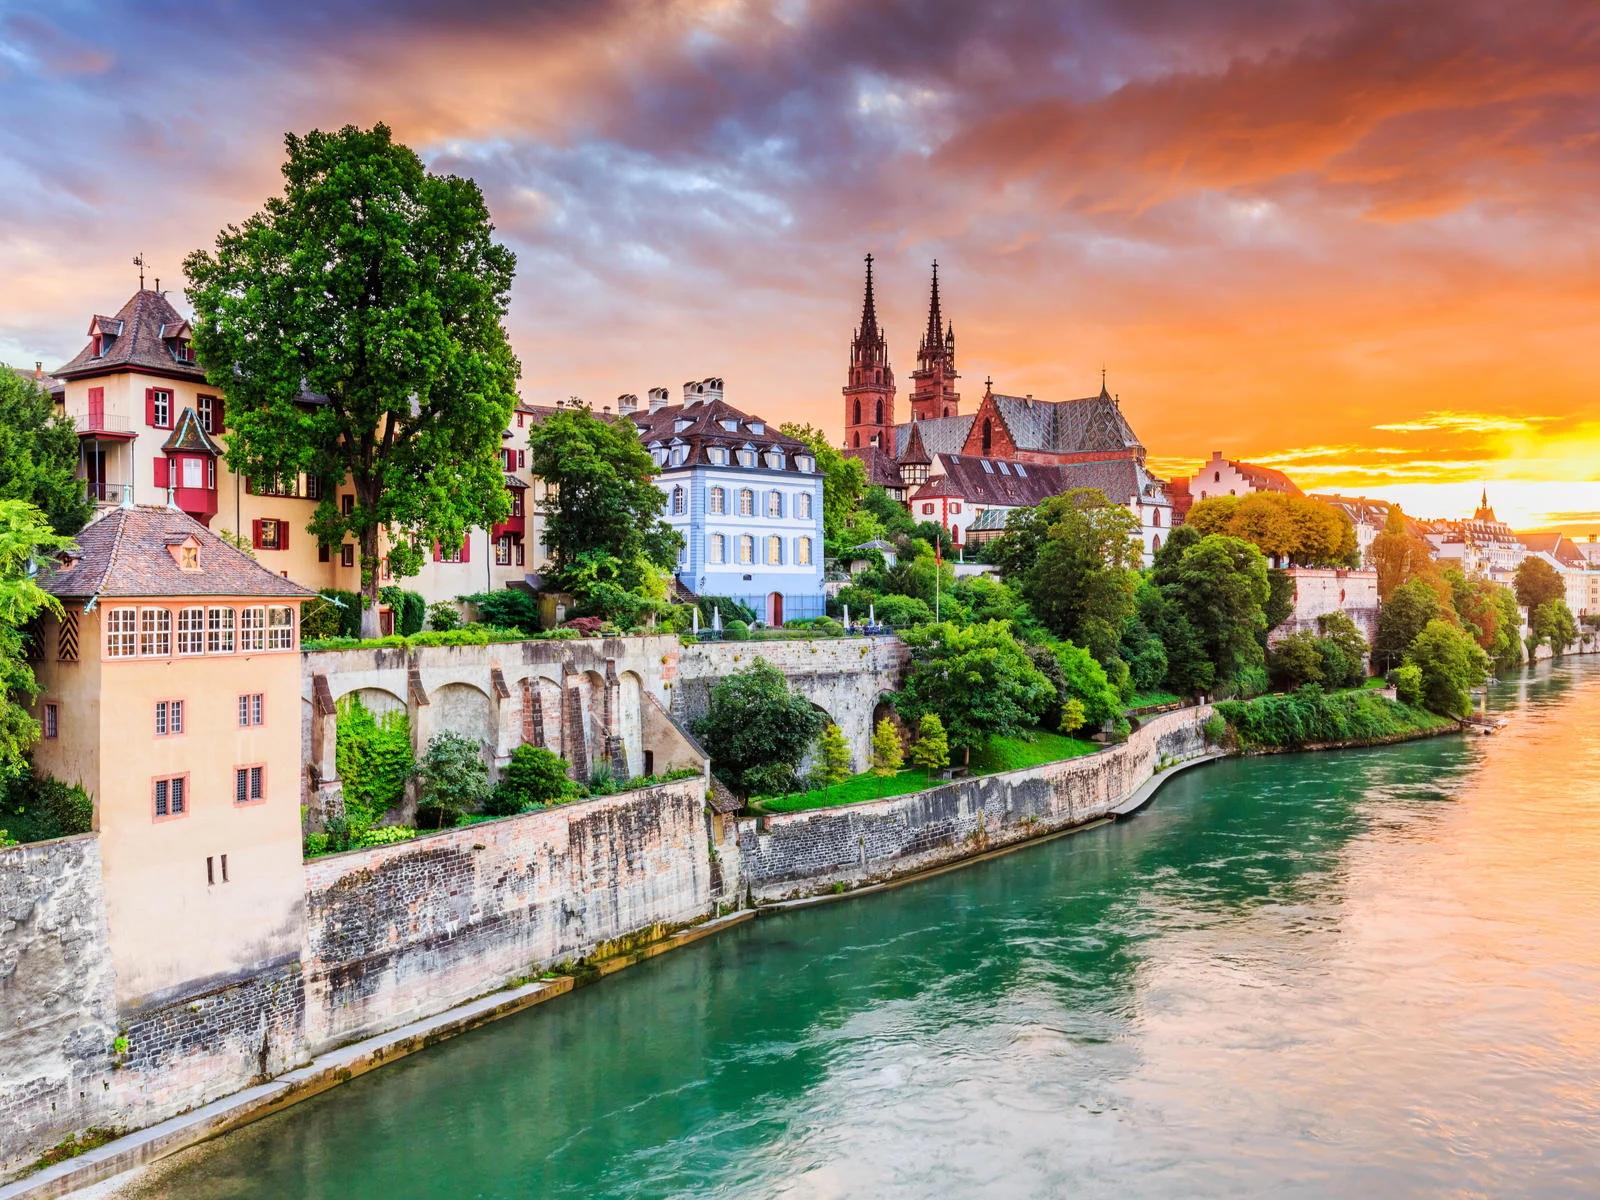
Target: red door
(775, 609)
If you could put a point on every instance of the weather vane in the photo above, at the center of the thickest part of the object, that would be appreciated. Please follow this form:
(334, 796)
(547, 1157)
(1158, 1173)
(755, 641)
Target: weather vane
(138, 261)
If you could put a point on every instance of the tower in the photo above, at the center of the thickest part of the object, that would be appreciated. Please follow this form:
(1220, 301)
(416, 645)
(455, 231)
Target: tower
(933, 392)
(869, 395)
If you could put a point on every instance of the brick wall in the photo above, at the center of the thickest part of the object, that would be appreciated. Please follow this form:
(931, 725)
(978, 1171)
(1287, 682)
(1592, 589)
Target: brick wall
(1319, 591)
(399, 932)
(806, 853)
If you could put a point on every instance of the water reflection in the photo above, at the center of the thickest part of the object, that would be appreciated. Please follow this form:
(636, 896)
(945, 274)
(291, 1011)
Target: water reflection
(1309, 976)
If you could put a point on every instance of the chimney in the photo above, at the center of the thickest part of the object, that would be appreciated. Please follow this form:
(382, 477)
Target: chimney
(658, 399)
(38, 370)
(693, 393)
(712, 389)
(627, 403)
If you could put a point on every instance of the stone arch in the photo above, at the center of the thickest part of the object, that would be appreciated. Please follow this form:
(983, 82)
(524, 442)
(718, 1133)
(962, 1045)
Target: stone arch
(376, 700)
(464, 709)
(630, 721)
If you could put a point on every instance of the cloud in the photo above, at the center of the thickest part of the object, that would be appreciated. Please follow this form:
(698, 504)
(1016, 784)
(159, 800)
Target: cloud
(1465, 422)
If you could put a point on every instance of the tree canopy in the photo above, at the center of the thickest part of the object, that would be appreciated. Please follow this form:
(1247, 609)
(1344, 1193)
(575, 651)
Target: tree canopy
(25, 536)
(355, 325)
(1537, 583)
(1451, 664)
(39, 455)
(1397, 556)
(977, 678)
(1297, 529)
(1404, 615)
(756, 729)
(1220, 586)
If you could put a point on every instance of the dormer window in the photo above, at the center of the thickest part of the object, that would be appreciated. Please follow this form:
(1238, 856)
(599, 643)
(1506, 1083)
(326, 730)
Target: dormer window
(186, 554)
(719, 455)
(747, 456)
(731, 425)
(98, 346)
(805, 463)
(679, 456)
(757, 427)
(680, 425)
(775, 459)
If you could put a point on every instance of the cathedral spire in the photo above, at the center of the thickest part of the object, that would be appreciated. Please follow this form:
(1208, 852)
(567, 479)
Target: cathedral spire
(869, 309)
(934, 338)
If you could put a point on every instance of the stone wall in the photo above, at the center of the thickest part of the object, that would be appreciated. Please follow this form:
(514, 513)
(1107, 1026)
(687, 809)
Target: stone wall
(845, 677)
(807, 853)
(1318, 592)
(59, 1014)
(398, 932)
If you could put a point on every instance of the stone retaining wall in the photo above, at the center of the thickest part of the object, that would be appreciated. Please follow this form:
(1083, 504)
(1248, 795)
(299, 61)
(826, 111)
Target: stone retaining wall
(399, 932)
(807, 853)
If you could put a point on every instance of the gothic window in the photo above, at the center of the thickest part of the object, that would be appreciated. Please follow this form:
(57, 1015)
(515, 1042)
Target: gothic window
(857, 421)
(947, 411)
(988, 436)
(858, 441)
(880, 412)
(1155, 518)
(1155, 543)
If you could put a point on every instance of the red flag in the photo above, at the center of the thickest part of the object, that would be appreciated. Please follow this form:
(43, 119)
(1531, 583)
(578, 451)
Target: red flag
(938, 561)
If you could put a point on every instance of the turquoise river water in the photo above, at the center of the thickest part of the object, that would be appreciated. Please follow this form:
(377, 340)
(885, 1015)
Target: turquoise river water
(1370, 973)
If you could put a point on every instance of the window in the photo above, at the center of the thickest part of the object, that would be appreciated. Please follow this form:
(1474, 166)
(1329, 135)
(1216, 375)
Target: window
(955, 509)
(718, 455)
(774, 549)
(747, 458)
(522, 459)
(927, 510)
(120, 628)
(747, 502)
(1021, 470)
(519, 420)
(988, 467)
(252, 709)
(280, 628)
(1004, 470)
(516, 545)
(1216, 477)
(680, 455)
(52, 720)
(191, 631)
(271, 534)
(159, 408)
(155, 632)
(169, 718)
(252, 629)
(517, 509)
(324, 553)
(249, 786)
(347, 554)
(203, 410)
(502, 550)
(716, 502)
(1155, 517)
(802, 506)
(219, 631)
(188, 558)
(774, 504)
(747, 548)
(680, 501)
(718, 548)
(170, 796)
(775, 460)
(194, 473)
(211, 474)
(347, 504)
(802, 551)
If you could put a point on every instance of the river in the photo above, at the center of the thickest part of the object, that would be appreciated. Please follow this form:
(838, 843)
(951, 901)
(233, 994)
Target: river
(1368, 972)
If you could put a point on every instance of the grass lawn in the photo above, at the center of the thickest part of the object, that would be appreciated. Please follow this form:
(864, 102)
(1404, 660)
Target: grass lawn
(1001, 754)
(1151, 699)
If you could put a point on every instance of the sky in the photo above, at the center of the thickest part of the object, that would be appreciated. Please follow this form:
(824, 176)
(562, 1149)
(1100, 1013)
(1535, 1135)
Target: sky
(1357, 241)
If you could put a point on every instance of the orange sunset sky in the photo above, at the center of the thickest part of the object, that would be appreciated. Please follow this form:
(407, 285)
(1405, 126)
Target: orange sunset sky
(1357, 241)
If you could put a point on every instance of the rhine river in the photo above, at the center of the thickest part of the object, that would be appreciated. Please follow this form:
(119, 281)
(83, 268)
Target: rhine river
(1366, 973)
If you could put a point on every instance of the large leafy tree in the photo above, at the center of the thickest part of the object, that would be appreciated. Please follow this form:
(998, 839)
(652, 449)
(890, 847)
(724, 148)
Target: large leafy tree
(1405, 614)
(602, 511)
(1080, 578)
(757, 729)
(379, 286)
(1552, 624)
(39, 455)
(25, 537)
(845, 481)
(1397, 556)
(1451, 664)
(1296, 529)
(1538, 583)
(1220, 586)
(978, 679)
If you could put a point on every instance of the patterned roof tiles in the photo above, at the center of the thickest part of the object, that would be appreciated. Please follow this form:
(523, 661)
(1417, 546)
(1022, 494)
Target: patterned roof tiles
(138, 344)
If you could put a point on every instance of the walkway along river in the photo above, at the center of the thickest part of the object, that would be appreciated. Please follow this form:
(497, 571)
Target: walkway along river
(1369, 971)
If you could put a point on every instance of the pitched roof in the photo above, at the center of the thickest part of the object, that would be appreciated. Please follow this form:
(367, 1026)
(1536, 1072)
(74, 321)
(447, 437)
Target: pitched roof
(882, 471)
(939, 435)
(706, 425)
(138, 343)
(49, 383)
(998, 483)
(125, 552)
(1067, 426)
(915, 453)
(1265, 479)
(187, 434)
(1557, 545)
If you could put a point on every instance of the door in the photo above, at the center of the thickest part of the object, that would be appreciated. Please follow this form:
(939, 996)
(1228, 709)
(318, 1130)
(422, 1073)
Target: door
(775, 609)
(94, 470)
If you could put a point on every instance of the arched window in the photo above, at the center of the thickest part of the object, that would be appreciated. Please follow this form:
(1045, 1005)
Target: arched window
(774, 504)
(680, 502)
(1155, 543)
(747, 548)
(988, 436)
(717, 501)
(802, 506)
(1216, 477)
(802, 552)
(880, 410)
(947, 411)
(858, 441)
(718, 550)
(774, 550)
(857, 421)
(1155, 518)
(747, 502)
(879, 374)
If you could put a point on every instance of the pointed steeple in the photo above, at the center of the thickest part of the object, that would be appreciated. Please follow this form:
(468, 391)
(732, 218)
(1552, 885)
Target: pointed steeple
(934, 338)
(869, 309)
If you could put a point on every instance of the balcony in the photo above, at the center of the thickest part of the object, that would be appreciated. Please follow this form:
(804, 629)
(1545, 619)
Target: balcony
(98, 422)
(107, 494)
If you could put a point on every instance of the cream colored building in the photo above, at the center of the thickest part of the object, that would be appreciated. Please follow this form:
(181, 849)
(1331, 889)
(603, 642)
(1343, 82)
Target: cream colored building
(171, 692)
(152, 431)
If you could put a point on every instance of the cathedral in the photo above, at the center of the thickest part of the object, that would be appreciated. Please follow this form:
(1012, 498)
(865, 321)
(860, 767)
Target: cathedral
(968, 470)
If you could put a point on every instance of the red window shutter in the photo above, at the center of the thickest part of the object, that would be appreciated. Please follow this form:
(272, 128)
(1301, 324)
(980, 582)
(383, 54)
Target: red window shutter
(216, 416)
(163, 472)
(435, 551)
(466, 548)
(149, 406)
(283, 535)
(255, 533)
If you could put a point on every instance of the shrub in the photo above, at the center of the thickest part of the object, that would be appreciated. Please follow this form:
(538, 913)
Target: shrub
(1295, 660)
(1452, 664)
(754, 723)
(409, 608)
(931, 751)
(602, 782)
(454, 780)
(373, 755)
(386, 835)
(443, 616)
(67, 806)
(1407, 680)
(1073, 715)
(585, 626)
(731, 610)
(770, 779)
(1215, 728)
(736, 631)
(1309, 716)
(533, 776)
(900, 611)
(833, 757)
(887, 753)
(509, 608)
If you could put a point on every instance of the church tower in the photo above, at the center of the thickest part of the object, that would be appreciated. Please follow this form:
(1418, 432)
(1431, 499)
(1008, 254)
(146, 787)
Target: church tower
(933, 392)
(869, 396)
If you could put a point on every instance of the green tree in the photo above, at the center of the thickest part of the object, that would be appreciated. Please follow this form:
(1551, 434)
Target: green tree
(1081, 584)
(1537, 582)
(1083, 679)
(39, 455)
(1405, 614)
(455, 780)
(373, 756)
(603, 526)
(1407, 680)
(833, 755)
(756, 723)
(978, 679)
(845, 479)
(1397, 556)
(25, 538)
(1341, 635)
(889, 515)
(1221, 587)
(534, 775)
(931, 750)
(1451, 664)
(378, 286)
(1553, 625)
(1295, 661)
(1073, 716)
(887, 753)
